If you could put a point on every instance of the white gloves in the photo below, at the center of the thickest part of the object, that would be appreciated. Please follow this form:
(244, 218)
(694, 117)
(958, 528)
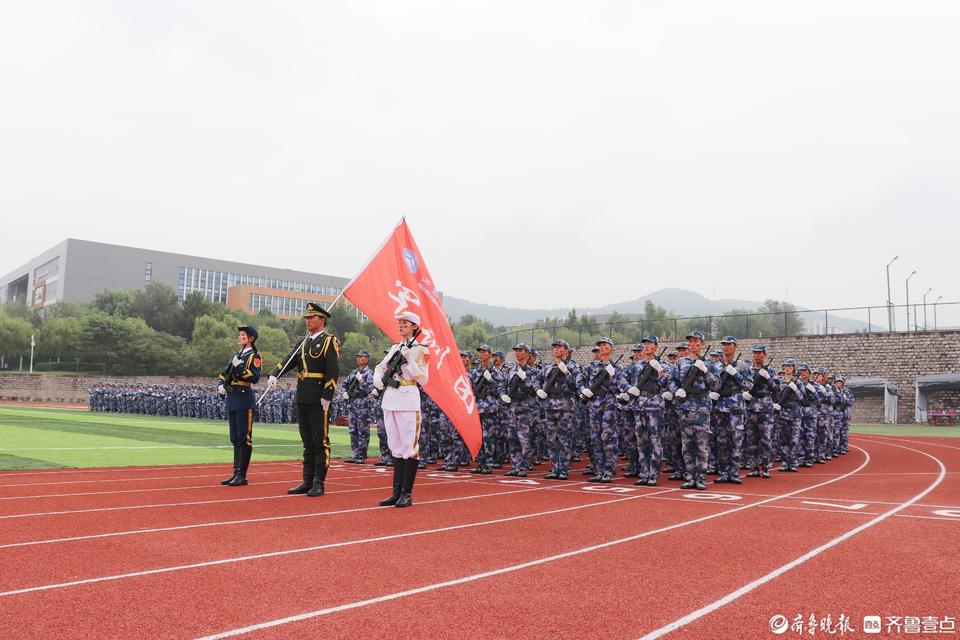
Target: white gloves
(732, 370)
(776, 407)
(624, 397)
(488, 376)
(699, 364)
(610, 370)
(506, 399)
(542, 394)
(344, 396)
(810, 388)
(236, 361)
(666, 395)
(633, 391)
(586, 392)
(221, 390)
(656, 366)
(359, 377)
(375, 393)
(764, 374)
(521, 373)
(792, 386)
(272, 381)
(377, 383)
(747, 396)
(714, 396)
(681, 394)
(563, 367)
(326, 405)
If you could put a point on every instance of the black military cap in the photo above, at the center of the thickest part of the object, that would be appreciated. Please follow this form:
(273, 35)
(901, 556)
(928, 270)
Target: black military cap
(313, 309)
(250, 331)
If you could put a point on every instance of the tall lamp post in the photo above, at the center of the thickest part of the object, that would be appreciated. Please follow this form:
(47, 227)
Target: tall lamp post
(925, 307)
(935, 311)
(908, 297)
(890, 297)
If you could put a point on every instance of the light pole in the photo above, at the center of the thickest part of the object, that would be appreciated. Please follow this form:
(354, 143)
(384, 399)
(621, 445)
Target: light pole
(925, 308)
(935, 312)
(908, 297)
(889, 297)
(33, 343)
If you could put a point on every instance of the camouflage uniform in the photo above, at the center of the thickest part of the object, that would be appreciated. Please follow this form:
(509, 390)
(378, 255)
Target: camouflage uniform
(602, 408)
(788, 420)
(729, 407)
(359, 405)
(558, 391)
(522, 414)
(693, 412)
(809, 408)
(489, 382)
(645, 407)
(759, 416)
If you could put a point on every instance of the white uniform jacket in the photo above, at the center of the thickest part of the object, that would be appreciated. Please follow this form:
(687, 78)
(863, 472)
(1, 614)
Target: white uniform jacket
(406, 397)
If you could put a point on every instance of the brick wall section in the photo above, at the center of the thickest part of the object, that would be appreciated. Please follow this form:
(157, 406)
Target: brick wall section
(898, 357)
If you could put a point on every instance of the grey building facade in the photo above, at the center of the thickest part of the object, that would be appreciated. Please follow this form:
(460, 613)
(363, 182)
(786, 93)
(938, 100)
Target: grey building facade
(77, 270)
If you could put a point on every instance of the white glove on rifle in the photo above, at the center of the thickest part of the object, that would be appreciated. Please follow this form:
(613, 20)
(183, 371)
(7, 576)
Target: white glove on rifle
(505, 398)
(542, 394)
(714, 396)
(624, 397)
(810, 388)
(732, 370)
(792, 386)
(521, 373)
(563, 367)
(359, 377)
(375, 393)
(236, 361)
(378, 383)
(344, 396)
(656, 366)
(221, 390)
(666, 395)
(764, 374)
(747, 396)
(634, 391)
(586, 392)
(272, 381)
(699, 364)
(681, 394)
(776, 407)
(610, 370)
(488, 376)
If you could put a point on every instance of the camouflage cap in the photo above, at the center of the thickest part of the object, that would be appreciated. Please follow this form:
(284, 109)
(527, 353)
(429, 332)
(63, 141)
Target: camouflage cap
(485, 347)
(695, 334)
(683, 345)
(759, 348)
(729, 340)
(498, 353)
(790, 362)
(363, 353)
(637, 347)
(650, 338)
(602, 340)
(803, 367)
(560, 342)
(522, 346)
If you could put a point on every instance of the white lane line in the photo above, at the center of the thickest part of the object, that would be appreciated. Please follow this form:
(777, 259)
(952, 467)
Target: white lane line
(901, 439)
(208, 475)
(121, 491)
(146, 447)
(283, 496)
(334, 545)
(135, 468)
(776, 573)
(297, 516)
(510, 569)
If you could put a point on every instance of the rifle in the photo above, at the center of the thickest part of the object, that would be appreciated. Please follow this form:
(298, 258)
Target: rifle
(555, 373)
(514, 384)
(644, 377)
(786, 391)
(692, 374)
(725, 377)
(602, 379)
(228, 373)
(759, 382)
(351, 384)
(396, 361)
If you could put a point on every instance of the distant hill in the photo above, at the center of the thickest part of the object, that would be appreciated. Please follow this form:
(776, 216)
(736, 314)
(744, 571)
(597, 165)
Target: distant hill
(681, 302)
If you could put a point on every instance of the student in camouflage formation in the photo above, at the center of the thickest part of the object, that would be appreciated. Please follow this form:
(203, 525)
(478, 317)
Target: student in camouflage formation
(759, 415)
(670, 435)
(355, 394)
(523, 411)
(600, 384)
(735, 378)
(787, 415)
(626, 405)
(487, 389)
(538, 435)
(557, 389)
(809, 405)
(716, 355)
(692, 380)
(646, 393)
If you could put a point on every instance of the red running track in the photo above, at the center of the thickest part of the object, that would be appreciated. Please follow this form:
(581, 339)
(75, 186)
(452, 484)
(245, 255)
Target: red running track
(477, 556)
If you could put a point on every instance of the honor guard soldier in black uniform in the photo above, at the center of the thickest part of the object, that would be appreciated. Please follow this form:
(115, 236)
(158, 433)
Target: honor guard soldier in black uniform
(316, 360)
(236, 385)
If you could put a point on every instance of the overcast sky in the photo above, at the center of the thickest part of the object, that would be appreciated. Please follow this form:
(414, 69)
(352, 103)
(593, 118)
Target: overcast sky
(545, 154)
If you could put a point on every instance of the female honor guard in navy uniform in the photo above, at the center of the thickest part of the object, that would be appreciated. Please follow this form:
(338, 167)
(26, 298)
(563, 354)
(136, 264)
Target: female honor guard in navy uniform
(397, 376)
(236, 384)
(316, 359)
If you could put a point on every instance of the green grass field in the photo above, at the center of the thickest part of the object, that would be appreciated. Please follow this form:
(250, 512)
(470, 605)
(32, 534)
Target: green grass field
(40, 438)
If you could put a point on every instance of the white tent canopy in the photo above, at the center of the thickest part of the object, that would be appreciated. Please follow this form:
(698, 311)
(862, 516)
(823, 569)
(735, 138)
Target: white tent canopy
(930, 384)
(864, 387)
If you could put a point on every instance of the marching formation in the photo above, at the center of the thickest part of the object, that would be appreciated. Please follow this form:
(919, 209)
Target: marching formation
(186, 401)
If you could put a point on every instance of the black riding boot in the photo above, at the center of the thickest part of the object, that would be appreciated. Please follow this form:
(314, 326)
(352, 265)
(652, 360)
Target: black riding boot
(236, 466)
(307, 483)
(406, 489)
(397, 484)
(241, 478)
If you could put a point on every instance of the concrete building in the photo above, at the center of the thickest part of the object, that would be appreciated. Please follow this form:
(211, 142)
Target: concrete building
(77, 270)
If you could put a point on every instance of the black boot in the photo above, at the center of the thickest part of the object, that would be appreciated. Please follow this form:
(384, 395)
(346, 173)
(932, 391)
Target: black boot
(406, 490)
(240, 479)
(304, 486)
(317, 489)
(236, 466)
(397, 484)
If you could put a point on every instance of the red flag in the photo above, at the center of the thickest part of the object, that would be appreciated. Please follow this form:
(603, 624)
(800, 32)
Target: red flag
(396, 279)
